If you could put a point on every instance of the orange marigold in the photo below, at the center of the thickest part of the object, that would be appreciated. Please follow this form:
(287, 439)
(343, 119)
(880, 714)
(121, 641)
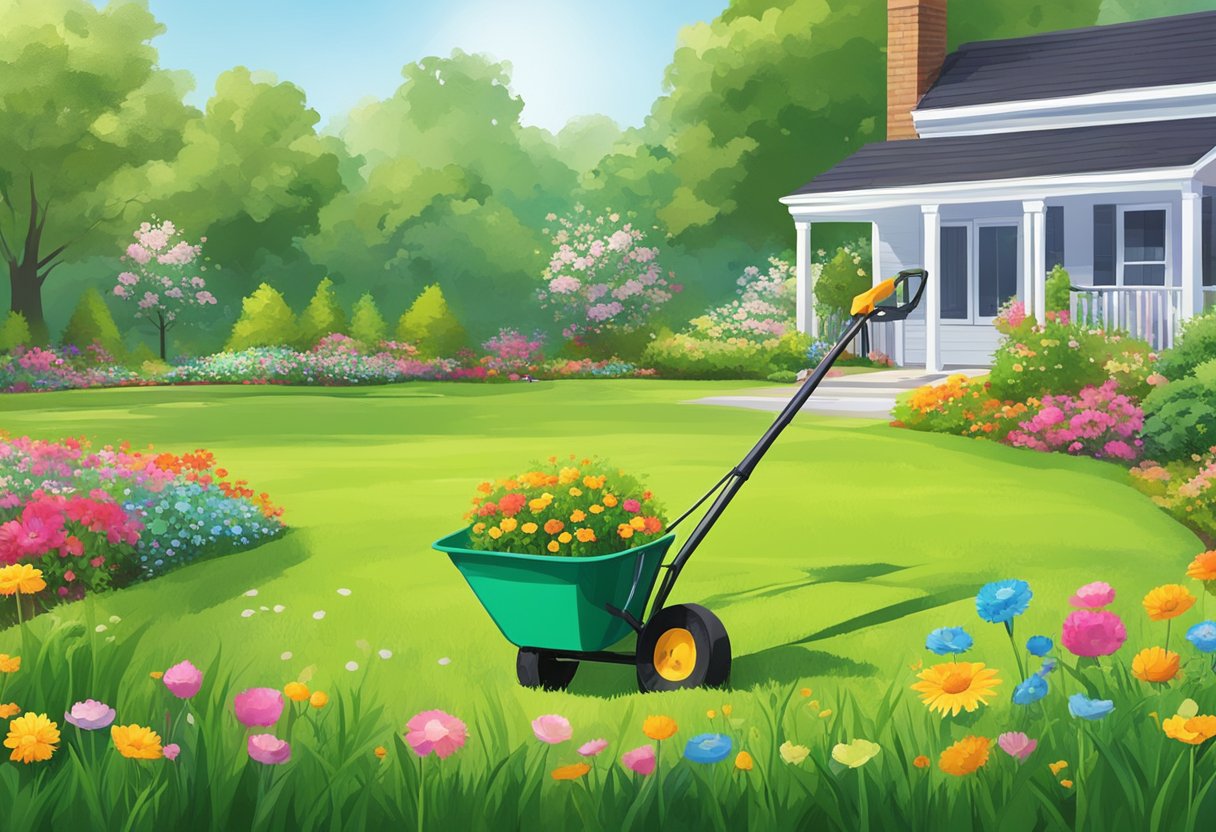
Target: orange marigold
(965, 756)
(1203, 567)
(553, 525)
(1193, 731)
(1168, 601)
(1155, 664)
(570, 772)
(921, 761)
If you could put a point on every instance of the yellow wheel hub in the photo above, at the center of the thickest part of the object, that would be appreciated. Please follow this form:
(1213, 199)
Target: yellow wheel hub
(675, 655)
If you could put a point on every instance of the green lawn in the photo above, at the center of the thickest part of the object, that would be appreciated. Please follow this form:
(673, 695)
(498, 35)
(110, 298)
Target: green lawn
(852, 540)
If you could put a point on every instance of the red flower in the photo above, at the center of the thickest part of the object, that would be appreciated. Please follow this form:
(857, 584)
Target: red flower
(512, 504)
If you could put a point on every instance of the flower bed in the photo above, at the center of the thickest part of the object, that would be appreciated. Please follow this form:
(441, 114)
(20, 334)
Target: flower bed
(28, 369)
(97, 519)
(1184, 489)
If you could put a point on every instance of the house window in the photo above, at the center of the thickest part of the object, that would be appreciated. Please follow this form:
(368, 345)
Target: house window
(955, 260)
(1142, 248)
(1105, 245)
(1055, 237)
(1209, 251)
(979, 269)
(997, 276)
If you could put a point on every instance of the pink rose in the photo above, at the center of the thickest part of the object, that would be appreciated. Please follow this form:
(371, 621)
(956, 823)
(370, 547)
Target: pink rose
(183, 680)
(435, 731)
(1089, 633)
(269, 749)
(640, 760)
(171, 751)
(552, 729)
(1093, 596)
(258, 706)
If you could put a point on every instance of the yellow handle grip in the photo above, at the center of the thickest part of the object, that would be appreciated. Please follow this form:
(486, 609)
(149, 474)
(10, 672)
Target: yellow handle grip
(864, 303)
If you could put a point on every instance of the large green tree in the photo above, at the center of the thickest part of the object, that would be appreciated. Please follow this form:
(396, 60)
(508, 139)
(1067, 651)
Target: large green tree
(82, 104)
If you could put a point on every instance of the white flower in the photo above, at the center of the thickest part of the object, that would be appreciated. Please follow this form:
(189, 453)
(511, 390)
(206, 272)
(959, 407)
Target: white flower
(247, 613)
(279, 607)
(251, 593)
(114, 619)
(101, 628)
(352, 666)
(319, 614)
(344, 592)
(445, 661)
(286, 656)
(385, 654)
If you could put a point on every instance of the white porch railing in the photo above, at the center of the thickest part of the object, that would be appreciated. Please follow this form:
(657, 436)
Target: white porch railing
(1153, 313)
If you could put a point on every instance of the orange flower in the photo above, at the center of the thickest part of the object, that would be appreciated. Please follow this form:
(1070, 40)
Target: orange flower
(1168, 601)
(805, 693)
(744, 762)
(1057, 766)
(1154, 664)
(554, 546)
(596, 509)
(381, 752)
(653, 525)
(610, 500)
(570, 772)
(1066, 784)
(638, 523)
(1203, 567)
(565, 537)
(625, 531)
(9, 709)
(921, 761)
(659, 727)
(965, 756)
(529, 528)
(1193, 731)
(577, 516)
(553, 526)
(585, 535)
(594, 482)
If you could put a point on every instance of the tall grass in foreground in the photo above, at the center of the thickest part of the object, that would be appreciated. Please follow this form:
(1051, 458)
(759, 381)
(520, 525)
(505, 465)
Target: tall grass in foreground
(1124, 772)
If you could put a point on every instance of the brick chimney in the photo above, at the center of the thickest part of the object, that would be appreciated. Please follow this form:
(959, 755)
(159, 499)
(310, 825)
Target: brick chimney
(916, 47)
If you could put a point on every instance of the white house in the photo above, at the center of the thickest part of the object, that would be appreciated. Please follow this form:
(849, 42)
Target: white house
(1094, 148)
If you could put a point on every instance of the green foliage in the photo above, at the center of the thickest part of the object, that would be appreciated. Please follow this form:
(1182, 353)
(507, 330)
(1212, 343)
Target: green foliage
(266, 321)
(783, 377)
(14, 331)
(323, 315)
(1059, 295)
(687, 356)
(1184, 489)
(91, 322)
(1196, 345)
(430, 326)
(845, 276)
(366, 323)
(1180, 417)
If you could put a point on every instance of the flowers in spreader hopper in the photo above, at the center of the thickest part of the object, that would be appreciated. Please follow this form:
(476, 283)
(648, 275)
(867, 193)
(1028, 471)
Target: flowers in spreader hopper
(1017, 745)
(946, 640)
(90, 715)
(1082, 707)
(954, 686)
(708, 748)
(1001, 601)
(258, 706)
(552, 729)
(183, 680)
(1089, 633)
(268, 749)
(640, 760)
(856, 753)
(1167, 601)
(136, 742)
(965, 756)
(33, 738)
(435, 731)
(1155, 664)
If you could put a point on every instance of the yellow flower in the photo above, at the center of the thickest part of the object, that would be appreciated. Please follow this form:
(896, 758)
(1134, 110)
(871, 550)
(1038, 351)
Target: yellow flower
(567, 476)
(1154, 664)
(625, 531)
(157, 675)
(1194, 730)
(793, 754)
(9, 664)
(136, 742)
(32, 738)
(638, 523)
(508, 524)
(529, 528)
(319, 699)
(495, 532)
(554, 546)
(856, 754)
(659, 727)
(381, 752)
(965, 756)
(576, 492)
(744, 762)
(953, 686)
(1167, 601)
(21, 577)
(10, 709)
(570, 772)
(596, 509)
(296, 691)
(726, 709)
(594, 482)
(537, 504)
(610, 500)
(478, 528)
(1057, 766)
(578, 516)
(711, 713)
(585, 535)
(825, 713)
(1066, 784)
(565, 537)
(1203, 567)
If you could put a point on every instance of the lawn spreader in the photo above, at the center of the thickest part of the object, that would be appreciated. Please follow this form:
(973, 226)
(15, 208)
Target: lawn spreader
(560, 611)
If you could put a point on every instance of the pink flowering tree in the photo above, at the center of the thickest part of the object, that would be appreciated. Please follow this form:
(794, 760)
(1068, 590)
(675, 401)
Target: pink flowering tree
(763, 309)
(602, 278)
(163, 278)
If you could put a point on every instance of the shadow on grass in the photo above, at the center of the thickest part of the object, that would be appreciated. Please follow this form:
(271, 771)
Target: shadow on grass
(893, 612)
(791, 663)
(843, 573)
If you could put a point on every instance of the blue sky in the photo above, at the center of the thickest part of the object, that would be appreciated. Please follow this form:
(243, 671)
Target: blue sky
(570, 57)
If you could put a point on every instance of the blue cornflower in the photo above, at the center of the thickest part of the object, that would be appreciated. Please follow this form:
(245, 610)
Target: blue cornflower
(1039, 645)
(946, 640)
(999, 601)
(1082, 707)
(708, 748)
(1203, 636)
(1031, 690)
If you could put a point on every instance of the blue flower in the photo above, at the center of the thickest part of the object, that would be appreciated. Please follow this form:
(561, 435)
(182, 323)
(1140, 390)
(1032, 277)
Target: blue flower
(1032, 690)
(946, 640)
(999, 601)
(1039, 645)
(1048, 666)
(1203, 636)
(1082, 707)
(707, 748)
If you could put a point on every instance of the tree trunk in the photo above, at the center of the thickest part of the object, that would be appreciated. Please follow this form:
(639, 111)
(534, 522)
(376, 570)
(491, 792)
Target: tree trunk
(26, 296)
(162, 341)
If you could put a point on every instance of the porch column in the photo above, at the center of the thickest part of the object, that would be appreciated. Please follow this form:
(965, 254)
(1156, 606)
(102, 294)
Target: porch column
(808, 321)
(1034, 217)
(1192, 251)
(933, 265)
(1028, 261)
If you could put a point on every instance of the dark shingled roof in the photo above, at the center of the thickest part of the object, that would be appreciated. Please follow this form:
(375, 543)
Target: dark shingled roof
(1111, 147)
(1148, 53)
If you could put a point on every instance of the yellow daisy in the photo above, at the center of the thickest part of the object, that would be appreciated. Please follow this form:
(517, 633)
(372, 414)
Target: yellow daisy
(955, 686)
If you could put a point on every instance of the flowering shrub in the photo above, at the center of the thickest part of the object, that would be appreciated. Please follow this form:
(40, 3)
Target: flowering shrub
(1180, 416)
(566, 509)
(511, 352)
(764, 308)
(689, 356)
(1099, 422)
(28, 369)
(961, 406)
(841, 278)
(1184, 488)
(586, 368)
(601, 276)
(164, 279)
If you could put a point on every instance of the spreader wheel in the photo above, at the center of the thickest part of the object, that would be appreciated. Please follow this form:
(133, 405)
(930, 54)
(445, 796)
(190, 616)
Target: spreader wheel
(541, 669)
(684, 646)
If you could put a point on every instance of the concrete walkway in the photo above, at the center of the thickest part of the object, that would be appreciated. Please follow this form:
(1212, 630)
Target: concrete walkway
(864, 395)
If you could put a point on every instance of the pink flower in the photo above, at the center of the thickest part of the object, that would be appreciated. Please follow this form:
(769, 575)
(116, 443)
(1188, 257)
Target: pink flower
(171, 751)
(1017, 745)
(435, 731)
(258, 706)
(632, 506)
(640, 760)
(90, 715)
(1089, 633)
(138, 253)
(183, 680)
(552, 729)
(269, 749)
(592, 748)
(1093, 596)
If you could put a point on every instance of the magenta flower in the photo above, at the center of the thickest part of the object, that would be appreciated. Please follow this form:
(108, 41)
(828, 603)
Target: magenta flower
(552, 729)
(640, 760)
(269, 749)
(183, 680)
(632, 506)
(90, 715)
(1017, 745)
(435, 731)
(258, 706)
(171, 751)
(592, 748)
(1090, 633)
(1093, 596)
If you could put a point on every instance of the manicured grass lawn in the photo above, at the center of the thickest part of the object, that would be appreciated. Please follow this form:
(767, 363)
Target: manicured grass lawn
(852, 540)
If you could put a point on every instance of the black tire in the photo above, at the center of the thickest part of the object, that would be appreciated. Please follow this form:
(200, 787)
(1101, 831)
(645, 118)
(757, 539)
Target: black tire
(709, 667)
(541, 669)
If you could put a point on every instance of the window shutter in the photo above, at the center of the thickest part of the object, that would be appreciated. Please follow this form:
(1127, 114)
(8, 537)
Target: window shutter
(954, 302)
(1105, 240)
(1209, 256)
(1055, 237)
